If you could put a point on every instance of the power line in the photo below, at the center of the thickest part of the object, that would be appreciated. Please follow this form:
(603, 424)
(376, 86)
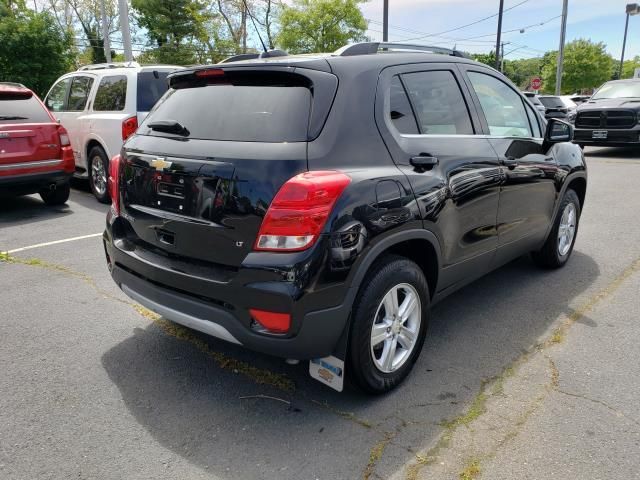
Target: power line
(468, 24)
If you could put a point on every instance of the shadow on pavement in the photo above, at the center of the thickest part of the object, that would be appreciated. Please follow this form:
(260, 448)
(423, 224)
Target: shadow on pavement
(632, 153)
(30, 208)
(192, 406)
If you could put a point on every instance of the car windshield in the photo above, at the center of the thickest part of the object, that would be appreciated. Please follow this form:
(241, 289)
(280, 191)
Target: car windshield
(557, 102)
(618, 90)
(22, 110)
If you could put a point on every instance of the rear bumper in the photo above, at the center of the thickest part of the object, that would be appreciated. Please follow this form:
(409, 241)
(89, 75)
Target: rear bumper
(23, 184)
(221, 308)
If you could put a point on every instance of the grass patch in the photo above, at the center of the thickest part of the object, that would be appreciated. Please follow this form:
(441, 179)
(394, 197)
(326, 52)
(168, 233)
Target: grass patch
(477, 408)
(557, 337)
(471, 470)
(375, 455)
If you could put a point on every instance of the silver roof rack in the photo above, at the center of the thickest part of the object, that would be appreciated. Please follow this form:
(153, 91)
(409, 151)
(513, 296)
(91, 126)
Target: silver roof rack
(253, 56)
(105, 66)
(369, 48)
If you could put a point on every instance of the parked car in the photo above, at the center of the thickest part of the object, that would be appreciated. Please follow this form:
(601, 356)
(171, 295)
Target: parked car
(535, 101)
(101, 106)
(611, 116)
(35, 152)
(557, 106)
(578, 99)
(315, 207)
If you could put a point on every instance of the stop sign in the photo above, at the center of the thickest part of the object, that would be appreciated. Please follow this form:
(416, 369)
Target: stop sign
(536, 83)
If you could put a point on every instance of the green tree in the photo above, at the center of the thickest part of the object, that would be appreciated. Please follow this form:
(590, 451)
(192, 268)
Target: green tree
(586, 65)
(521, 71)
(630, 66)
(486, 58)
(172, 26)
(35, 50)
(320, 25)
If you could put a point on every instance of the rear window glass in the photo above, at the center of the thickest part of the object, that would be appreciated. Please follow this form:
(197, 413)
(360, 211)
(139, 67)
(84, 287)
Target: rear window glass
(151, 86)
(242, 113)
(23, 111)
(111, 95)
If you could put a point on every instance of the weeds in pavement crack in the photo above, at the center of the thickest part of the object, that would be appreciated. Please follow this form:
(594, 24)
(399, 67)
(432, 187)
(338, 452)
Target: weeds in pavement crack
(376, 454)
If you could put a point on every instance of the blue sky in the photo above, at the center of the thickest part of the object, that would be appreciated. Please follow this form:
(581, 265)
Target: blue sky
(598, 20)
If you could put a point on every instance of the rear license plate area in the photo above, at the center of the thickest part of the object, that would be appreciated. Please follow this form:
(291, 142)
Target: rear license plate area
(172, 192)
(600, 134)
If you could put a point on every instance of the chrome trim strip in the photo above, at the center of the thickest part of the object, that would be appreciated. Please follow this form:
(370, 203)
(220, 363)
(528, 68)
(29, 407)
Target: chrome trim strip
(205, 326)
(468, 135)
(38, 163)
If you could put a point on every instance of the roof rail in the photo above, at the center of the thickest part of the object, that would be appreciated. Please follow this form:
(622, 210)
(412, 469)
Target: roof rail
(253, 56)
(369, 48)
(105, 66)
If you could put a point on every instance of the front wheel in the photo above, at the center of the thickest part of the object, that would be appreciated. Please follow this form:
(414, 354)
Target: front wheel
(559, 245)
(390, 319)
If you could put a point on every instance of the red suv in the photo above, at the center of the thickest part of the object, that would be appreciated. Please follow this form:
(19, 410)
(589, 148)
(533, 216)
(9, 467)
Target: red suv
(35, 152)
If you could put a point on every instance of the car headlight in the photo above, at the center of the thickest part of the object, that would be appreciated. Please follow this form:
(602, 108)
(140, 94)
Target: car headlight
(571, 116)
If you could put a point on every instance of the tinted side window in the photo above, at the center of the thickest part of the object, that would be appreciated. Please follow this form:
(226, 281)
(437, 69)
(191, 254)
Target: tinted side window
(400, 109)
(56, 100)
(438, 103)
(535, 123)
(151, 86)
(503, 108)
(111, 95)
(79, 93)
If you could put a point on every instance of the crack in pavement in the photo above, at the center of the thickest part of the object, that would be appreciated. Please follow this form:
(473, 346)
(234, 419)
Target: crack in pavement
(599, 402)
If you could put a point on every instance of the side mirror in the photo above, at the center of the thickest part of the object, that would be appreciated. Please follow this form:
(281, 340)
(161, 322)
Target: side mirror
(558, 131)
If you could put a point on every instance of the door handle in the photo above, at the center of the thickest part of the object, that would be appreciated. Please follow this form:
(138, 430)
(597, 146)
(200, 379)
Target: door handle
(424, 161)
(510, 162)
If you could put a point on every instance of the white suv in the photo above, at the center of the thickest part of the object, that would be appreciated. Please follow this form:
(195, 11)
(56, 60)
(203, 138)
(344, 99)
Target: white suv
(100, 106)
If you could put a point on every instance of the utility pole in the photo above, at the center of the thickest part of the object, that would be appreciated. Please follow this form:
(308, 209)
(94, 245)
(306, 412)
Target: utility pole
(105, 32)
(385, 21)
(624, 45)
(632, 9)
(502, 57)
(123, 7)
(563, 32)
(499, 34)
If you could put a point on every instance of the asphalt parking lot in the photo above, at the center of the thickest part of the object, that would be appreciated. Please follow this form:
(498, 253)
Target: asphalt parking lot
(524, 374)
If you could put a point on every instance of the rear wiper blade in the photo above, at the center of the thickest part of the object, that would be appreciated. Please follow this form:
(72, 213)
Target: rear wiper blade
(169, 126)
(12, 117)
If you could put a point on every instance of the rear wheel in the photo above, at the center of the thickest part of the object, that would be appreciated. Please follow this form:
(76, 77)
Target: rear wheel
(559, 245)
(98, 174)
(390, 319)
(58, 196)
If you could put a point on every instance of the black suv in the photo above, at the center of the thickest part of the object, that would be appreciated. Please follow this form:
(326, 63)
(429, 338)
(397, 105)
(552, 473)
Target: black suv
(611, 117)
(315, 207)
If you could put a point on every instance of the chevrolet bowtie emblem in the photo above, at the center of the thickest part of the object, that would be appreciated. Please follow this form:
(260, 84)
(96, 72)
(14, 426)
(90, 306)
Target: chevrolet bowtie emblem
(159, 164)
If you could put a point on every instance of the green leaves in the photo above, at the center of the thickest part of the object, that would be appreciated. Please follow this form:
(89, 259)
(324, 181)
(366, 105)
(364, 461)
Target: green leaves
(320, 25)
(586, 65)
(35, 50)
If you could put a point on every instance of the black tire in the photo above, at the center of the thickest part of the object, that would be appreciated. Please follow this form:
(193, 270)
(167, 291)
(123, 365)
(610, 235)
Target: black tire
(100, 191)
(58, 196)
(389, 271)
(549, 255)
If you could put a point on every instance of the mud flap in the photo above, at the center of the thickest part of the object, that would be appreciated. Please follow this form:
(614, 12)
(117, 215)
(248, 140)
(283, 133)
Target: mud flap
(330, 370)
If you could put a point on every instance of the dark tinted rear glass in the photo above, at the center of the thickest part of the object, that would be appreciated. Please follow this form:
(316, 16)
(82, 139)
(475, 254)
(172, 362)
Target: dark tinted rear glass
(243, 113)
(552, 102)
(23, 111)
(151, 86)
(111, 95)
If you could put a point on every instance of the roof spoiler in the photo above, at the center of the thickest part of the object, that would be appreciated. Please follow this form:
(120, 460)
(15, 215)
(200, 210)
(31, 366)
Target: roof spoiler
(254, 56)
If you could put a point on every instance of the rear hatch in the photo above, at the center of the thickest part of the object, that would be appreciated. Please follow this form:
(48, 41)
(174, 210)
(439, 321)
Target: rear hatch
(27, 133)
(206, 163)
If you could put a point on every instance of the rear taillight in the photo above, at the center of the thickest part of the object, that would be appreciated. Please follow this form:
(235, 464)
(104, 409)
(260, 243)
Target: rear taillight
(114, 184)
(64, 136)
(129, 127)
(300, 210)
